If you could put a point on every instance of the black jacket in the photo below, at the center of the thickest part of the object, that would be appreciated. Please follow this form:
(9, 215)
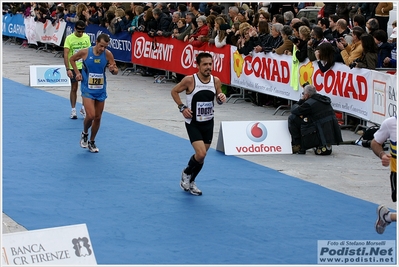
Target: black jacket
(319, 113)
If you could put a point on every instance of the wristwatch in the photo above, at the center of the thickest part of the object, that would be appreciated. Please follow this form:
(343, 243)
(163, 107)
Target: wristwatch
(181, 107)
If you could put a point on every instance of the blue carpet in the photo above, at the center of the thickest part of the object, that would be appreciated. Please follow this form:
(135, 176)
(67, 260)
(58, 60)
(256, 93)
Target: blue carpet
(130, 199)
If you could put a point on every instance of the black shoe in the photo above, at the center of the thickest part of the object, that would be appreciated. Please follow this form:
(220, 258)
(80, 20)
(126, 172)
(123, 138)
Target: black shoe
(302, 152)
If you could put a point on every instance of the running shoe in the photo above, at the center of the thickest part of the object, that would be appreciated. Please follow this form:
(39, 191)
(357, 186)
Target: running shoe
(381, 223)
(92, 147)
(83, 112)
(83, 139)
(185, 181)
(194, 190)
(73, 114)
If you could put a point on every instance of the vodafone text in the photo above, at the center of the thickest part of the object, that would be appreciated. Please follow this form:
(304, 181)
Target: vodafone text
(258, 148)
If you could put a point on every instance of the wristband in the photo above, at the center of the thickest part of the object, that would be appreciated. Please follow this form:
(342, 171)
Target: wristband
(182, 107)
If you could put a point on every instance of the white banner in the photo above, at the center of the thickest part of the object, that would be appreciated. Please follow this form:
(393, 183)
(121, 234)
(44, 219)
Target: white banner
(30, 30)
(383, 92)
(254, 138)
(49, 75)
(50, 34)
(69, 245)
(351, 90)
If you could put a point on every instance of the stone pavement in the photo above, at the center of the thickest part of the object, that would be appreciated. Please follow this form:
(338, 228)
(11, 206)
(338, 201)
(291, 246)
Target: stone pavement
(351, 169)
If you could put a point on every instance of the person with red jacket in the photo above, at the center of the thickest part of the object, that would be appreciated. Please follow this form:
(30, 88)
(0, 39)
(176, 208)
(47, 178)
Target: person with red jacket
(196, 38)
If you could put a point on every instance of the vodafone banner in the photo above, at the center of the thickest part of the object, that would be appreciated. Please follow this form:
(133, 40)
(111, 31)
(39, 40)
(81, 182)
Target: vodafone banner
(178, 56)
(254, 137)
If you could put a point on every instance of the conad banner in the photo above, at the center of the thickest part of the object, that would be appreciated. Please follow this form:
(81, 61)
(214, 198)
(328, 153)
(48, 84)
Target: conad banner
(351, 90)
(178, 56)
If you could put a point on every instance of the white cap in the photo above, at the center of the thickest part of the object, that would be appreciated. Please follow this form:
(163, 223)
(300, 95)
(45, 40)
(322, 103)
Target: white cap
(394, 33)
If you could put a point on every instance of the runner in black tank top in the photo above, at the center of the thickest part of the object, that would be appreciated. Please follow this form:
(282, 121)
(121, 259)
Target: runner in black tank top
(201, 89)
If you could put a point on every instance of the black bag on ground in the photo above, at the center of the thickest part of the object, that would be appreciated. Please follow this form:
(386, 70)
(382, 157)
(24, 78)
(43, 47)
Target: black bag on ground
(368, 135)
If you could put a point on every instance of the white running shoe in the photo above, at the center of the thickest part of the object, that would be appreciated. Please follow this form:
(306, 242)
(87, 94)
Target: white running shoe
(83, 112)
(92, 147)
(194, 190)
(381, 223)
(83, 140)
(73, 114)
(185, 181)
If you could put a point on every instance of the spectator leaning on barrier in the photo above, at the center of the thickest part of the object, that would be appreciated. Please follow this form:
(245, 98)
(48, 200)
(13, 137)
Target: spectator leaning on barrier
(172, 25)
(384, 48)
(138, 13)
(197, 37)
(210, 22)
(369, 57)
(350, 52)
(190, 19)
(317, 38)
(221, 36)
(162, 20)
(325, 56)
(181, 25)
(245, 44)
(287, 44)
(273, 41)
(232, 37)
(301, 51)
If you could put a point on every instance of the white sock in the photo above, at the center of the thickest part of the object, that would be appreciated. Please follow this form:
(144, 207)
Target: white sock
(83, 107)
(74, 109)
(387, 217)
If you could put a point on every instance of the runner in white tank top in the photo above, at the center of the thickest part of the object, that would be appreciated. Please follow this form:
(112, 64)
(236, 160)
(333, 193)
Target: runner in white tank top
(201, 89)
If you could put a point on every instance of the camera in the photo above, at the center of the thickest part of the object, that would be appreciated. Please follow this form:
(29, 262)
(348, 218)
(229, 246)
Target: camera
(353, 64)
(293, 39)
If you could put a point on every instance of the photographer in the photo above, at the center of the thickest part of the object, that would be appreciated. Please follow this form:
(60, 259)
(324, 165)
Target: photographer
(302, 36)
(350, 52)
(313, 123)
(317, 38)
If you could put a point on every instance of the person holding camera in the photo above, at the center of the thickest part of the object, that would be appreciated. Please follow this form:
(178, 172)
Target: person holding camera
(369, 57)
(300, 39)
(316, 39)
(313, 124)
(350, 52)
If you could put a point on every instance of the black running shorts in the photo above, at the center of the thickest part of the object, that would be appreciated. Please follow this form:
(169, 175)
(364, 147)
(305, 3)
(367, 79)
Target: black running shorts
(200, 131)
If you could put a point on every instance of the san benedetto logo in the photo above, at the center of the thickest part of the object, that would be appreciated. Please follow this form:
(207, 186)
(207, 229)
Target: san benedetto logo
(256, 131)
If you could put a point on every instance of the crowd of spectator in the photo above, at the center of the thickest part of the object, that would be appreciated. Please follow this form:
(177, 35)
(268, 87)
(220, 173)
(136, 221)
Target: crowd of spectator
(352, 33)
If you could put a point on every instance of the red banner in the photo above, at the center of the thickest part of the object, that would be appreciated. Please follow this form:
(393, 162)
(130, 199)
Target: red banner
(178, 56)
